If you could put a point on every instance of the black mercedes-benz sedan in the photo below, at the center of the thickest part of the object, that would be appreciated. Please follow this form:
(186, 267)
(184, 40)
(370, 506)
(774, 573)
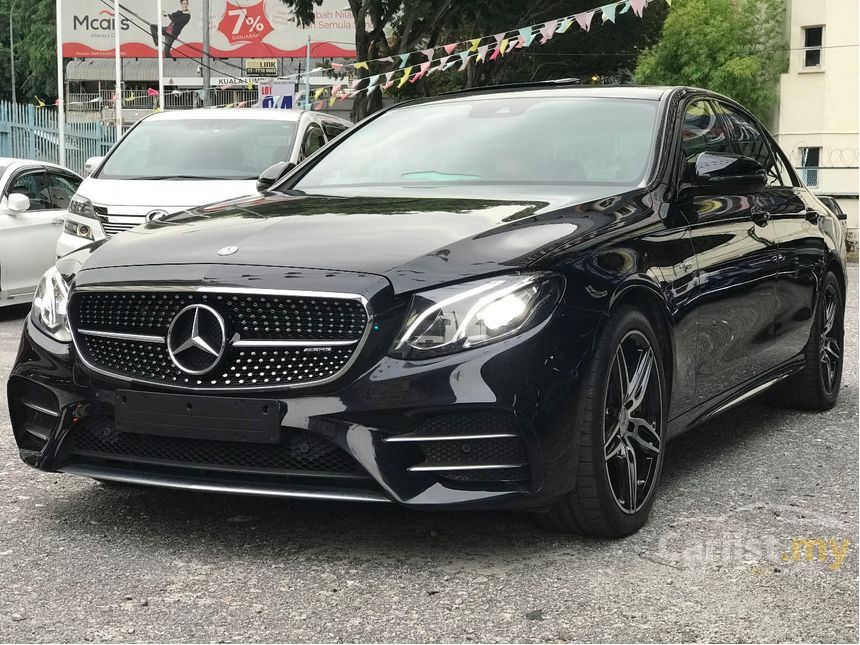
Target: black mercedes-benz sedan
(510, 297)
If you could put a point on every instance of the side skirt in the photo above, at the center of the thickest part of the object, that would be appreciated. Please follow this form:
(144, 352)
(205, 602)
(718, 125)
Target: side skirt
(710, 409)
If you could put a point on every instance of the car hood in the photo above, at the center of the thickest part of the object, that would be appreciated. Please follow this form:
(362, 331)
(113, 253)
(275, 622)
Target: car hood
(139, 196)
(412, 240)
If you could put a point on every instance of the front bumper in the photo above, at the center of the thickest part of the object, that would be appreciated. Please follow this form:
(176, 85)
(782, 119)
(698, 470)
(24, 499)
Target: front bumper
(488, 428)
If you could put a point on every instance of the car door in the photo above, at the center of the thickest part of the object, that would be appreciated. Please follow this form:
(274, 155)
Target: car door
(28, 241)
(735, 249)
(793, 215)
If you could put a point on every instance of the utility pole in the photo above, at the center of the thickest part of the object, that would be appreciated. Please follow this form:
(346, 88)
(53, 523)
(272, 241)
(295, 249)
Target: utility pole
(160, 46)
(12, 50)
(117, 106)
(207, 81)
(61, 95)
(308, 74)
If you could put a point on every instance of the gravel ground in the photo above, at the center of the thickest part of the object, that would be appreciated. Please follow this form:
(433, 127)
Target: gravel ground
(81, 562)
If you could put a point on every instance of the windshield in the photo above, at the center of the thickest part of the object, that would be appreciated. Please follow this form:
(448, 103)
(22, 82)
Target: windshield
(204, 149)
(490, 140)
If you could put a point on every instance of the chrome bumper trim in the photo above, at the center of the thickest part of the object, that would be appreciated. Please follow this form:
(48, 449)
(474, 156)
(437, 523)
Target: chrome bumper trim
(162, 481)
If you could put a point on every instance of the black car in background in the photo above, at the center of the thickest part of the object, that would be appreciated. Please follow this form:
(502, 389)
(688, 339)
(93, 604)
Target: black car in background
(503, 298)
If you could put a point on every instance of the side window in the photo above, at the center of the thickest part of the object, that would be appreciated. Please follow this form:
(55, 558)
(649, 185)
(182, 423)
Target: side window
(332, 129)
(703, 131)
(33, 184)
(312, 141)
(63, 187)
(749, 141)
(786, 175)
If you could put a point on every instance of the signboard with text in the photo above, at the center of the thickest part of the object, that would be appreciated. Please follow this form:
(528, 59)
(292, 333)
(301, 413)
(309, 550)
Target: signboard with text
(261, 66)
(274, 94)
(238, 29)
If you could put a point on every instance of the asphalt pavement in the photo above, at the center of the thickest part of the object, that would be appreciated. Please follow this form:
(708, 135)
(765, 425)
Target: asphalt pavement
(722, 558)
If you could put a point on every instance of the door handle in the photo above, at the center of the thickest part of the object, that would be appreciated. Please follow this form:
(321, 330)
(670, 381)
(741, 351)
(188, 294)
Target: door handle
(759, 215)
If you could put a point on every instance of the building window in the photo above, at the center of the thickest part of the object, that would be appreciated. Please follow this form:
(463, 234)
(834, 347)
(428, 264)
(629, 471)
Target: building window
(810, 158)
(813, 41)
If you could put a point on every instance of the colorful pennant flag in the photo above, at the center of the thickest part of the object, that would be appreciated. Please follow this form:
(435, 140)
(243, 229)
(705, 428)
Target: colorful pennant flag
(608, 12)
(638, 6)
(548, 31)
(449, 49)
(584, 19)
(150, 91)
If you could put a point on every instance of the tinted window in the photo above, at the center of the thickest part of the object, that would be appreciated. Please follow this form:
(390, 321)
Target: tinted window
(559, 140)
(703, 131)
(332, 129)
(35, 186)
(313, 140)
(62, 188)
(206, 148)
(749, 140)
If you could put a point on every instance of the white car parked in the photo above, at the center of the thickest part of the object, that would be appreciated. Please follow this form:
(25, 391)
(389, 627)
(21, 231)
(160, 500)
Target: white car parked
(172, 161)
(35, 196)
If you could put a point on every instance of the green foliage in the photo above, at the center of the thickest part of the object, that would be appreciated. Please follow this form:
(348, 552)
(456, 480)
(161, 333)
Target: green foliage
(735, 47)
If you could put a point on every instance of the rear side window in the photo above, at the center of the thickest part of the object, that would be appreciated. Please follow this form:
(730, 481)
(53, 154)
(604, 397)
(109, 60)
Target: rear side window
(63, 187)
(703, 131)
(332, 129)
(749, 141)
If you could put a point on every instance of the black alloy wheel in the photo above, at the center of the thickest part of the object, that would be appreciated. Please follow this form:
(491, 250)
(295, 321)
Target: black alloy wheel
(620, 427)
(631, 428)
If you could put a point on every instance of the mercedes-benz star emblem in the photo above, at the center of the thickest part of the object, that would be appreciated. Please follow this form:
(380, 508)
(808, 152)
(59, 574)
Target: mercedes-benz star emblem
(228, 250)
(196, 339)
(156, 214)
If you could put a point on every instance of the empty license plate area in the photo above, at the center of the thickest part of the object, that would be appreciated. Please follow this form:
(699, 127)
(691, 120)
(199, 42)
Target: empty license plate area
(198, 417)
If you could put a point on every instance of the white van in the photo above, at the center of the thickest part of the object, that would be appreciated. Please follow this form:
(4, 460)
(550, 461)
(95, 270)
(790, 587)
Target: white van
(172, 161)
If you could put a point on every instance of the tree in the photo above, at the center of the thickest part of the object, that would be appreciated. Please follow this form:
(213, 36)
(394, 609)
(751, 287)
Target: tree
(734, 47)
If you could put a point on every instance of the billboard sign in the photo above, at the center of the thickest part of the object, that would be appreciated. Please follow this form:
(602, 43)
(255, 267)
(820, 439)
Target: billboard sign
(237, 29)
(275, 94)
(261, 66)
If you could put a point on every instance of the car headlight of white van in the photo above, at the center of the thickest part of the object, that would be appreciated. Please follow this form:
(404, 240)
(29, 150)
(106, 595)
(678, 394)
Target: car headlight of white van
(466, 315)
(50, 306)
(82, 207)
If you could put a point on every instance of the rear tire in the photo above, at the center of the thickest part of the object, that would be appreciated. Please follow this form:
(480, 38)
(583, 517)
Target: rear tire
(620, 424)
(817, 386)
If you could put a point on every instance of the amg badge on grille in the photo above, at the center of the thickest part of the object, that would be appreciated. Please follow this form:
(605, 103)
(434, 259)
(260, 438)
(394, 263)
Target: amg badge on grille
(228, 250)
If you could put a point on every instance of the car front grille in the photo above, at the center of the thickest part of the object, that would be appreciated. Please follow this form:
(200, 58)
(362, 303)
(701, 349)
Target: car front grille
(299, 452)
(271, 339)
(116, 224)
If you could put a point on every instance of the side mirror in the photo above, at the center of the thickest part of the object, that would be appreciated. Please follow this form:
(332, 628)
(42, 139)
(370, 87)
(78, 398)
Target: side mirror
(18, 203)
(91, 164)
(272, 174)
(724, 172)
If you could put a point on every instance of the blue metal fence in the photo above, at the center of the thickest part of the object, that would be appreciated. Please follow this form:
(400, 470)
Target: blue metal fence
(28, 132)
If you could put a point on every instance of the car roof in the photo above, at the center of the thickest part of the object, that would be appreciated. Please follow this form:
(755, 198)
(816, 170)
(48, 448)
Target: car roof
(266, 114)
(8, 161)
(566, 88)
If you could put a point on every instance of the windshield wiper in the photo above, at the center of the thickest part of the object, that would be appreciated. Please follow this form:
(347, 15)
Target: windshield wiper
(168, 177)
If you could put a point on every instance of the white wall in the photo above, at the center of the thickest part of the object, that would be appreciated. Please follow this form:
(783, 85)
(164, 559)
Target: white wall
(819, 108)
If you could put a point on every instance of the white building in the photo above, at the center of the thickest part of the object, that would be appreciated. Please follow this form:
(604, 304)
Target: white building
(818, 105)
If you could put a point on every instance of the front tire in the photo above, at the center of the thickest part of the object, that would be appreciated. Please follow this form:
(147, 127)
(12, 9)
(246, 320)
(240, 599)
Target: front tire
(621, 424)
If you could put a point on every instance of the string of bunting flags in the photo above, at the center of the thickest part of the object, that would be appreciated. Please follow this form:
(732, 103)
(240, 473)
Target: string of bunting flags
(435, 59)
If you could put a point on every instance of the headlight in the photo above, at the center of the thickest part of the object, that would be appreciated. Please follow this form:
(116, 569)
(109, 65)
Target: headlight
(50, 306)
(80, 205)
(462, 316)
(78, 230)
